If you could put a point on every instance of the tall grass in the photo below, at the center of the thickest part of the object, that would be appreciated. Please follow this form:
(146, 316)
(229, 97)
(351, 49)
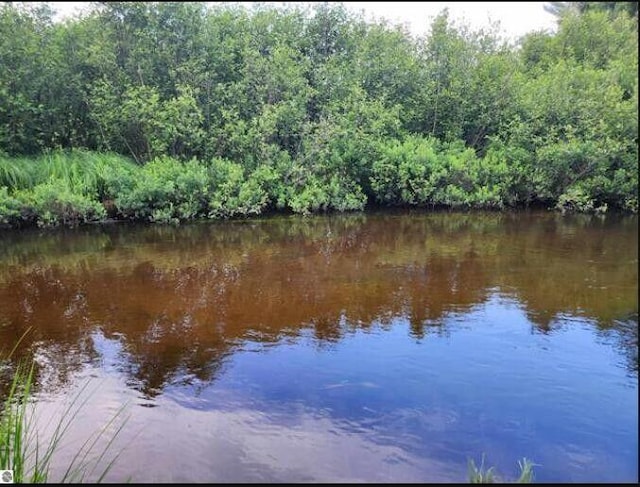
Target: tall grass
(61, 187)
(17, 173)
(14, 433)
(83, 171)
(23, 452)
(526, 471)
(480, 475)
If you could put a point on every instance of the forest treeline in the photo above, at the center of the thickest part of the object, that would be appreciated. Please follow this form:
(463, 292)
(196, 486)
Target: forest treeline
(169, 111)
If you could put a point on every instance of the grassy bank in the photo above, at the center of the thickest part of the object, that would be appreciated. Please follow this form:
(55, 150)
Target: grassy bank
(77, 187)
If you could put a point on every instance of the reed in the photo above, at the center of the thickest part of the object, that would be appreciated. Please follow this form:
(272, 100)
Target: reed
(483, 475)
(30, 459)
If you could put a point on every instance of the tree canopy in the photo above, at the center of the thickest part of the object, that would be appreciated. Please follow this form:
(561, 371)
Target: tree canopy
(225, 111)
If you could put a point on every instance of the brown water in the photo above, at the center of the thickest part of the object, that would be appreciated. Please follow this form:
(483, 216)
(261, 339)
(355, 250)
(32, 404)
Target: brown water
(382, 347)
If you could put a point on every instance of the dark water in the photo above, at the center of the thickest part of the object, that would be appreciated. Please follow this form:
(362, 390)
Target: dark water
(387, 347)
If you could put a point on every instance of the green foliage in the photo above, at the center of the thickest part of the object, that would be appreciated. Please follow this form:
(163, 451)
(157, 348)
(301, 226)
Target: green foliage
(54, 203)
(164, 190)
(577, 199)
(83, 171)
(313, 196)
(315, 110)
(478, 475)
(425, 172)
(9, 208)
(334, 193)
(13, 425)
(595, 38)
(345, 194)
(526, 471)
(276, 176)
(59, 188)
(24, 452)
(232, 194)
(482, 475)
(402, 174)
(508, 168)
(578, 113)
(16, 173)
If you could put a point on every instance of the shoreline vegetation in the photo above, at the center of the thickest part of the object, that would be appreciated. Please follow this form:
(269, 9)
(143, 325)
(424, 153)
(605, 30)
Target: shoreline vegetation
(30, 457)
(167, 112)
(26, 453)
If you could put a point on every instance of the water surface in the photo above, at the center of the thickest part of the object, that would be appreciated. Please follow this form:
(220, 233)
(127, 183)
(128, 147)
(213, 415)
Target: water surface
(380, 347)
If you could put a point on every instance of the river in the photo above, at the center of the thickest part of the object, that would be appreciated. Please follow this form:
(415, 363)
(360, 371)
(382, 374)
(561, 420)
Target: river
(388, 346)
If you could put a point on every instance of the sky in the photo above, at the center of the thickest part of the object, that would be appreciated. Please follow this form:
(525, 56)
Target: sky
(515, 18)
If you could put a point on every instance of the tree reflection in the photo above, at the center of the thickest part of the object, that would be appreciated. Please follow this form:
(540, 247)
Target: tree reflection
(178, 301)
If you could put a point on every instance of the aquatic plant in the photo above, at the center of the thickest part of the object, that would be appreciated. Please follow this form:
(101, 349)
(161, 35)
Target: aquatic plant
(480, 475)
(21, 448)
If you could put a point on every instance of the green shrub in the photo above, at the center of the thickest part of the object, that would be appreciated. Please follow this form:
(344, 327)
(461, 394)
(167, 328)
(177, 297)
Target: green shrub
(404, 171)
(232, 194)
(53, 203)
(269, 179)
(576, 199)
(312, 197)
(319, 193)
(506, 169)
(118, 182)
(345, 194)
(423, 171)
(165, 190)
(9, 208)
(630, 204)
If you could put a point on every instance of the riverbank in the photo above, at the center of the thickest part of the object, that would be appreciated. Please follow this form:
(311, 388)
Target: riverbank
(234, 112)
(71, 188)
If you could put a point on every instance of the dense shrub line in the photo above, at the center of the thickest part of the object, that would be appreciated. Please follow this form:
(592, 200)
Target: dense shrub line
(167, 111)
(415, 171)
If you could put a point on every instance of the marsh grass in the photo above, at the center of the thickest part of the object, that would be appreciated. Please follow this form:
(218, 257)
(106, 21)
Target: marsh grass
(23, 450)
(13, 425)
(526, 471)
(60, 187)
(82, 171)
(16, 173)
(478, 475)
(483, 475)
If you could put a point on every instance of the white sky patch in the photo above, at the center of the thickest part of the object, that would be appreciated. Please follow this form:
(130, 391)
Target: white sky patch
(514, 18)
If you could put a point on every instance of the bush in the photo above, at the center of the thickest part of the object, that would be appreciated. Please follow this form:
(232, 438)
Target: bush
(312, 197)
(165, 190)
(232, 194)
(506, 169)
(319, 193)
(54, 203)
(423, 171)
(9, 208)
(345, 194)
(404, 172)
(576, 199)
